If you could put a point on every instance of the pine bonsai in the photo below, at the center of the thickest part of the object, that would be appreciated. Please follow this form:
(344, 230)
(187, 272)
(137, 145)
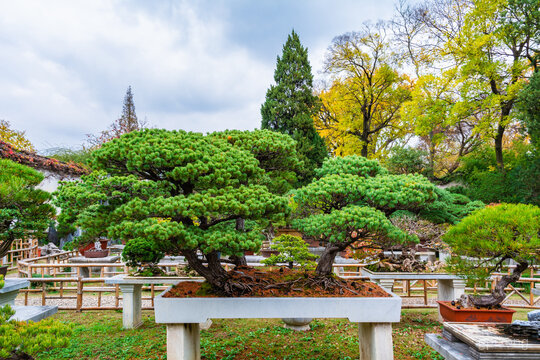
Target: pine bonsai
(350, 204)
(489, 237)
(24, 210)
(292, 249)
(290, 105)
(182, 190)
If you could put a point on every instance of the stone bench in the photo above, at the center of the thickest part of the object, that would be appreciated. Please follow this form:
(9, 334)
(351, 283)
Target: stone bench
(33, 313)
(11, 289)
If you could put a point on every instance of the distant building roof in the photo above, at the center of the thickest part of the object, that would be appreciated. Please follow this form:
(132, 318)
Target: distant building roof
(41, 162)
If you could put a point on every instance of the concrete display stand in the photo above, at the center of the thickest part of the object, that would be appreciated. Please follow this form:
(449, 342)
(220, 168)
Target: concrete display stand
(131, 288)
(10, 290)
(182, 315)
(85, 271)
(33, 313)
(449, 287)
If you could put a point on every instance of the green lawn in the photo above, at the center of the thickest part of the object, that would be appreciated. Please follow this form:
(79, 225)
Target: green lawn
(99, 335)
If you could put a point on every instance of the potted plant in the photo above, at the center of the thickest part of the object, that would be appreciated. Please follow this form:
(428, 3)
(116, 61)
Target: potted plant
(481, 243)
(23, 208)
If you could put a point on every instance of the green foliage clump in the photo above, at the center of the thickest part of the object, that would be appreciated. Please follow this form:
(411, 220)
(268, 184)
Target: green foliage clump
(19, 337)
(449, 207)
(353, 165)
(518, 183)
(275, 152)
(407, 160)
(139, 252)
(292, 249)
(24, 210)
(182, 191)
(290, 106)
(494, 234)
(529, 108)
(350, 204)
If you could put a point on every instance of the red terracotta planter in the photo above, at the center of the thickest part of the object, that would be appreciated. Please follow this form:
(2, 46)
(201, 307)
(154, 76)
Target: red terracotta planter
(450, 313)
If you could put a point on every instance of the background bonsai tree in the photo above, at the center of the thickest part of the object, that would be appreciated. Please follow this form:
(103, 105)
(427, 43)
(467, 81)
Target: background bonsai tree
(350, 203)
(21, 340)
(292, 249)
(143, 254)
(24, 210)
(489, 237)
(183, 191)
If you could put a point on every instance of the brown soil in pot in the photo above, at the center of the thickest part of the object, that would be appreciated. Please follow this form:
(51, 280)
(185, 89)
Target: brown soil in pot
(282, 282)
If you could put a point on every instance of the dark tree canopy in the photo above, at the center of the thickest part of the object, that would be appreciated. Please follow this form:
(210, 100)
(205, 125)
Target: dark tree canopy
(24, 210)
(290, 105)
(181, 190)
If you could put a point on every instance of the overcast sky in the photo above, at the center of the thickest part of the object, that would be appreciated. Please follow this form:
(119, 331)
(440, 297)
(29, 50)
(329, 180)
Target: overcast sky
(194, 65)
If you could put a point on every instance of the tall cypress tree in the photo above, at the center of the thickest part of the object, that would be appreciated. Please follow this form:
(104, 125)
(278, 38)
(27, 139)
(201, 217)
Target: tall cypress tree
(290, 105)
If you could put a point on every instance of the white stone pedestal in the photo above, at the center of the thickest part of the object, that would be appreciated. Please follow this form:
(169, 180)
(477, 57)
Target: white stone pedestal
(11, 289)
(374, 315)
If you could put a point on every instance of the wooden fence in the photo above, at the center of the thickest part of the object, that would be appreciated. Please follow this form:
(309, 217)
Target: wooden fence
(20, 250)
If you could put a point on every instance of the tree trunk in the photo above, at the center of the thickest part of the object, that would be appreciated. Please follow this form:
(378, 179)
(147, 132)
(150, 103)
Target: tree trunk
(213, 272)
(240, 260)
(324, 266)
(499, 147)
(497, 295)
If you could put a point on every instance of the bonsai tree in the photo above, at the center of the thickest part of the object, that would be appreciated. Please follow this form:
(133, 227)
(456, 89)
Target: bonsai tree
(144, 254)
(23, 208)
(489, 237)
(350, 204)
(21, 340)
(183, 191)
(292, 249)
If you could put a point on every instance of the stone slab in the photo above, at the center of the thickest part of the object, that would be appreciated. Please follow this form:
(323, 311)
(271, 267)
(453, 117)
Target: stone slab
(134, 280)
(449, 350)
(408, 276)
(12, 284)
(33, 313)
(489, 337)
(356, 309)
(103, 260)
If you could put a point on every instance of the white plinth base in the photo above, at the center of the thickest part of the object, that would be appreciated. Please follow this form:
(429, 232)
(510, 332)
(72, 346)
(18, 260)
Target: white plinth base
(185, 340)
(375, 341)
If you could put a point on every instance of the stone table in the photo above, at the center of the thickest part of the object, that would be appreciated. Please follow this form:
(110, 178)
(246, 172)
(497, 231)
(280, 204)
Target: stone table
(449, 287)
(10, 290)
(131, 288)
(481, 341)
(374, 316)
(85, 271)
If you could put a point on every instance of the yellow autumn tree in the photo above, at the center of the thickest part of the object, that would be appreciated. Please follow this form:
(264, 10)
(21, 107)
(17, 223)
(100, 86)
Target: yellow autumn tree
(14, 137)
(360, 109)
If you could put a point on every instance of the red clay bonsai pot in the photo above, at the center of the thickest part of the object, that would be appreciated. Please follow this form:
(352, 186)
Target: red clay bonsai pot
(450, 313)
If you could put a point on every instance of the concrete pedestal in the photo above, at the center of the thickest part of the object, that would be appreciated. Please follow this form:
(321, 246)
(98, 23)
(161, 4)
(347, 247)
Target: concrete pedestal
(85, 271)
(374, 315)
(11, 289)
(186, 340)
(131, 288)
(132, 305)
(449, 289)
(375, 341)
(33, 313)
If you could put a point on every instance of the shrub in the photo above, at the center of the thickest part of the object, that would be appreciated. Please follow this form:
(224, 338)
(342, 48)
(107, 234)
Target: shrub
(292, 249)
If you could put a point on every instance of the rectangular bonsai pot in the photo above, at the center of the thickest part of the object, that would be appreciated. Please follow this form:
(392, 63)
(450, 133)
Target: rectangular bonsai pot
(200, 309)
(451, 314)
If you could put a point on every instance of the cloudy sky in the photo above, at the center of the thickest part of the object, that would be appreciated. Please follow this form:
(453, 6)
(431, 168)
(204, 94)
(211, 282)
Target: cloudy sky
(195, 65)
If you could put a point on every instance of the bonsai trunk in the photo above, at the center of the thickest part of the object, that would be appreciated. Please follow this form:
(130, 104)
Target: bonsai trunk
(324, 266)
(497, 295)
(213, 272)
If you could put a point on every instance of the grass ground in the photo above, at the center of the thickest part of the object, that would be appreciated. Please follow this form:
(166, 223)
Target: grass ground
(99, 335)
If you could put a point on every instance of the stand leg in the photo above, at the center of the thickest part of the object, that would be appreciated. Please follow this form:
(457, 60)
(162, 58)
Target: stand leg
(375, 341)
(132, 306)
(448, 290)
(183, 342)
(388, 284)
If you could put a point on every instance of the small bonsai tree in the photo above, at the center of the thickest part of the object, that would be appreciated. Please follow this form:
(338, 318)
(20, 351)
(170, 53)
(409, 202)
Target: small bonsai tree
(350, 204)
(24, 210)
(183, 191)
(292, 249)
(489, 237)
(21, 340)
(143, 254)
